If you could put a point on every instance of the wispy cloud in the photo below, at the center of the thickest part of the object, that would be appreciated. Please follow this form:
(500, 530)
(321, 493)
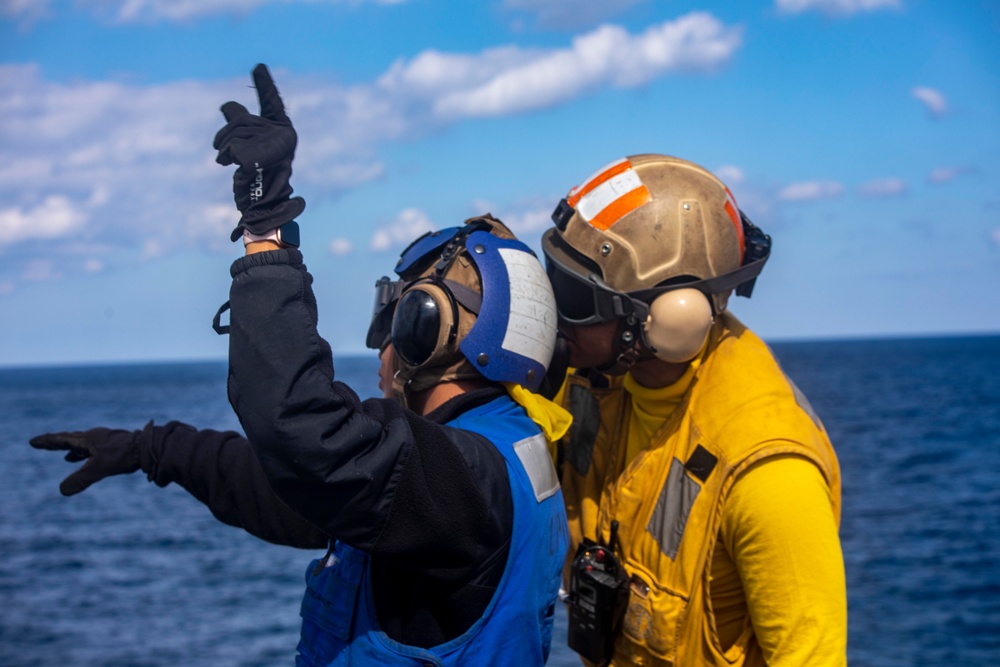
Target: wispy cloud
(184, 11)
(510, 80)
(730, 174)
(112, 163)
(570, 14)
(527, 218)
(340, 247)
(946, 174)
(408, 225)
(810, 190)
(528, 221)
(25, 11)
(93, 265)
(102, 160)
(40, 270)
(995, 237)
(835, 7)
(933, 100)
(883, 187)
(53, 217)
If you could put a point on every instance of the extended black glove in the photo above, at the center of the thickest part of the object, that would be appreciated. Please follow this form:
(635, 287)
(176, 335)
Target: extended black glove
(263, 147)
(106, 452)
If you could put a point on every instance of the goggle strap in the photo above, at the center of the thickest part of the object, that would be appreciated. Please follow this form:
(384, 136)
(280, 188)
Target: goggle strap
(469, 299)
(623, 305)
(387, 291)
(741, 279)
(619, 304)
(457, 243)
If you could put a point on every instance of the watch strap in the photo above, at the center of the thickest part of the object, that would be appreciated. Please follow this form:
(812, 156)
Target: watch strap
(285, 235)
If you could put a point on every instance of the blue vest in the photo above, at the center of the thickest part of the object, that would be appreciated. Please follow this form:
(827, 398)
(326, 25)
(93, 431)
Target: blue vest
(339, 622)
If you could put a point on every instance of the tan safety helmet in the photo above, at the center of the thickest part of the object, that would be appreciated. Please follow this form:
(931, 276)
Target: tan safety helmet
(658, 243)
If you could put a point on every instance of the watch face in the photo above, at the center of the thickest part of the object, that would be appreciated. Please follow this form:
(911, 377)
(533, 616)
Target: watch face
(288, 234)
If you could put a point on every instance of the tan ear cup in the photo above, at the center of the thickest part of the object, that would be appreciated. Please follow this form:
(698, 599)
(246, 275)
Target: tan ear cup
(426, 329)
(678, 324)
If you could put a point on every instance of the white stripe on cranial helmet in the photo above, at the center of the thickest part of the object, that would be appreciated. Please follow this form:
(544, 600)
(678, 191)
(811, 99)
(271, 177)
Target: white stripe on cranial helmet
(514, 336)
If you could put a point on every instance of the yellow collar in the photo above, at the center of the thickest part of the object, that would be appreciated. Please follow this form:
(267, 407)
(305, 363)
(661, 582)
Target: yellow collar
(554, 420)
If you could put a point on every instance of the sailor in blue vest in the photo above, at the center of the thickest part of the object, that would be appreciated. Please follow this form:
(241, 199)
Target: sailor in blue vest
(438, 504)
(469, 301)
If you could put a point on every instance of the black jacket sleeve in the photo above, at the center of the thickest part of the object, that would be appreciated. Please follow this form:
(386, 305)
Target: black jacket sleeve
(219, 469)
(371, 474)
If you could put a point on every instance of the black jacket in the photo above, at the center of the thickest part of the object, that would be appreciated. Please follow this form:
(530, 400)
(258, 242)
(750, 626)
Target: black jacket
(429, 502)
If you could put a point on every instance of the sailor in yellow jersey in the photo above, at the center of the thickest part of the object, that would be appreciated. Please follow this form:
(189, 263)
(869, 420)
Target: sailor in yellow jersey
(691, 456)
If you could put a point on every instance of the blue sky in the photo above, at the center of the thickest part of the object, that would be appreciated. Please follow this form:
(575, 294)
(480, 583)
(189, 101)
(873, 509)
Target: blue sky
(863, 135)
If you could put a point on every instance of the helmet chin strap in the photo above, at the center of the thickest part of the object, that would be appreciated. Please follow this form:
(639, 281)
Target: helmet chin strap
(400, 384)
(628, 345)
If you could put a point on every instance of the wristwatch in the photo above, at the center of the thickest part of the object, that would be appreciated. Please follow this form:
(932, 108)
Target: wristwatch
(285, 235)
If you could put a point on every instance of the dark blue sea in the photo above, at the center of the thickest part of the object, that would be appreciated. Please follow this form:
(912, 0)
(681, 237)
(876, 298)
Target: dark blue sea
(128, 573)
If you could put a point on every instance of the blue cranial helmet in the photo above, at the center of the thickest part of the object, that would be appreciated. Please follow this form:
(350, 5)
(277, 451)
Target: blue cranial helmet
(470, 302)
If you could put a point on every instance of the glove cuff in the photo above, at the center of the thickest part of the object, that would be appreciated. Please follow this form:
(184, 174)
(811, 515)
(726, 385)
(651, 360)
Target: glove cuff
(147, 457)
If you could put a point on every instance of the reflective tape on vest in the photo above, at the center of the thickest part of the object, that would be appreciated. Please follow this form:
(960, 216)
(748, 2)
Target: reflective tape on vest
(534, 455)
(672, 509)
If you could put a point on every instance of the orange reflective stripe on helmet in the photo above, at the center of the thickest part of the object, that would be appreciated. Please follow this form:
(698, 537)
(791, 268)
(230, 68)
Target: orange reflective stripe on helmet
(609, 195)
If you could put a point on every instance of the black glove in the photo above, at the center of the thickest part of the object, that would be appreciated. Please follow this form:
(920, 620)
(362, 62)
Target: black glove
(263, 146)
(107, 452)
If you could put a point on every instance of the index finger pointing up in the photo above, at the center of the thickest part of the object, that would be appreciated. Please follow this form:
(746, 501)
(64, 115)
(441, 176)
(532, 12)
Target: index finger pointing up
(270, 101)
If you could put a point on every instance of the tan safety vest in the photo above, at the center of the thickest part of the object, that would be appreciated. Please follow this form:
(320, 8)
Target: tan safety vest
(739, 409)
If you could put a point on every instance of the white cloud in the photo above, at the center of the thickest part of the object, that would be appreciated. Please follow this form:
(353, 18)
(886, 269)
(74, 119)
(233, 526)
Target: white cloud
(113, 161)
(24, 9)
(511, 80)
(995, 237)
(528, 221)
(120, 157)
(25, 13)
(183, 11)
(527, 218)
(810, 190)
(93, 265)
(946, 174)
(151, 248)
(570, 14)
(344, 176)
(932, 99)
(759, 205)
(211, 226)
(524, 218)
(40, 270)
(730, 174)
(55, 216)
(340, 247)
(835, 7)
(408, 225)
(128, 11)
(883, 187)
(6, 287)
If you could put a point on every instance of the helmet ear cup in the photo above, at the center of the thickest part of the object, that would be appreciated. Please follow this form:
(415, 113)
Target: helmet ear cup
(422, 324)
(678, 324)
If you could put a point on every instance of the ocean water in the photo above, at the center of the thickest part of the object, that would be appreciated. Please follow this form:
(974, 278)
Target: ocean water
(127, 573)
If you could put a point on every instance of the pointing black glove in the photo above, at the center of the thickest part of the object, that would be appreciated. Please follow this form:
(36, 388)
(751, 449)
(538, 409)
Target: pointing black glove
(263, 147)
(106, 452)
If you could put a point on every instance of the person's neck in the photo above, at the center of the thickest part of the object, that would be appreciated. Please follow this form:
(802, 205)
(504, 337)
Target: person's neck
(427, 401)
(656, 374)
